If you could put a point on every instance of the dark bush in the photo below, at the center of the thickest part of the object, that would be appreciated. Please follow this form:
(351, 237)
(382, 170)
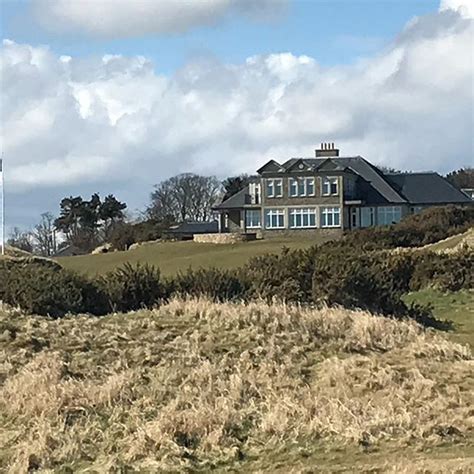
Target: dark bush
(220, 285)
(39, 286)
(132, 287)
(447, 272)
(126, 234)
(286, 276)
(354, 282)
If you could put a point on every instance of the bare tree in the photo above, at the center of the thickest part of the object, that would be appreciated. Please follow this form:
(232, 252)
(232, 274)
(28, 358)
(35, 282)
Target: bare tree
(20, 239)
(44, 235)
(186, 197)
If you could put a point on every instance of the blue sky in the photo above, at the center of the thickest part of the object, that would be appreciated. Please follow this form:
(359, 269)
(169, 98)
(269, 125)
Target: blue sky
(115, 96)
(333, 32)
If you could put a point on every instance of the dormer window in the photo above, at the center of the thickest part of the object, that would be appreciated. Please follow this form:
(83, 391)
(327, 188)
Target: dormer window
(330, 186)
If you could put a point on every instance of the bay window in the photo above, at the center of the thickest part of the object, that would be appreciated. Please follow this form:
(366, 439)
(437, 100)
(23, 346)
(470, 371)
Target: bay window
(330, 217)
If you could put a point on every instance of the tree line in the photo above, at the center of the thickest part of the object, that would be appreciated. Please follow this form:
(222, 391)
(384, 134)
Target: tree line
(89, 223)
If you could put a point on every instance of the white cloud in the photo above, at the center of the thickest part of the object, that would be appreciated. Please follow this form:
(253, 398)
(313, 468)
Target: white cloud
(127, 18)
(464, 7)
(116, 124)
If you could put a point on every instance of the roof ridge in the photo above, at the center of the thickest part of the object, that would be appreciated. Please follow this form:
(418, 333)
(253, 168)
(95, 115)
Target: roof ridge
(404, 173)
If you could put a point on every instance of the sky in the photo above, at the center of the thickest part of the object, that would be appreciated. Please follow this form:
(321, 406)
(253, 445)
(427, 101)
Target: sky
(114, 96)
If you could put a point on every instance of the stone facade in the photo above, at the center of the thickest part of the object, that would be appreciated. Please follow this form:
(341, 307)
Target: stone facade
(329, 194)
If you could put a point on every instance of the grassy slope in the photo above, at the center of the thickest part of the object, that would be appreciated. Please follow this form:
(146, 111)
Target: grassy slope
(457, 307)
(452, 242)
(171, 257)
(200, 386)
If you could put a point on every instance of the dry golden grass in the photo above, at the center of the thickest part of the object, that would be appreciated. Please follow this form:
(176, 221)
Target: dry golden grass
(197, 385)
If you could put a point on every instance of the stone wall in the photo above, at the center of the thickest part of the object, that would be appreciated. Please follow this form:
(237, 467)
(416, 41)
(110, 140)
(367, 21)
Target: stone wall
(268, 234)
(230, 238)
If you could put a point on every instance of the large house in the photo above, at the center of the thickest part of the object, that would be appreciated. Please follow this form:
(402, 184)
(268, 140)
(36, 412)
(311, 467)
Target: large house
(331, 193)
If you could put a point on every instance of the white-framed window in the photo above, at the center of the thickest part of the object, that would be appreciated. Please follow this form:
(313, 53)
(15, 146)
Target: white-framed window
(299, 187)
(330, 186)
(274, 218)
(274, 188)
(331, 217)
(387, 215)
(254, 190)
(293, 187)
(303, 217)
(252, 218)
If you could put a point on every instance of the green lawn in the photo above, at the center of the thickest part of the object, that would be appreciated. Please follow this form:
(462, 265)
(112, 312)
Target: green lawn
(171, 257)
(457, 307)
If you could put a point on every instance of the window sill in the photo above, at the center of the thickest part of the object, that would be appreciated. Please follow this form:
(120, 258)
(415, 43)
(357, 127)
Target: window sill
(331, 226)
(302, 228)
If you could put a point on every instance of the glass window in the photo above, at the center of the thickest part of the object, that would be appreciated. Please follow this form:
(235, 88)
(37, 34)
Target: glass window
(366, 216)
(254, 190)
(302, 217)
(330, 217)
(389, 215)
(252, 218)
(301, 187)
(278, 187)
(270, 188)
(274, 188)
(274, 218)
(293, 187)
(330, 186)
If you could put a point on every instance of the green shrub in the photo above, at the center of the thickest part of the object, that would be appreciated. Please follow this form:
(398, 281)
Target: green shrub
(39, 286)
(283, 276)
(133, 287)
(447, 272)
(220, 285)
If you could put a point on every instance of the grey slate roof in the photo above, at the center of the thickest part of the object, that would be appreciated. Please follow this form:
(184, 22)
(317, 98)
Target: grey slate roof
(194, 228)
(236, 201)
(376, 187)
(427, 188)
(379, 191)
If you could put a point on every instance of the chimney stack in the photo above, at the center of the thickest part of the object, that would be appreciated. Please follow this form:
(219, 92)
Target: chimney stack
(327, 150)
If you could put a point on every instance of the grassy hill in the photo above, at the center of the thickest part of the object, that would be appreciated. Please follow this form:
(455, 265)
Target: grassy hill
(171, 257)
(197, 386)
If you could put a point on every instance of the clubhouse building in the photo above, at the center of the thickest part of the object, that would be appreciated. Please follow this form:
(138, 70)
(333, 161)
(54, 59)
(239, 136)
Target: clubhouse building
(331, 193)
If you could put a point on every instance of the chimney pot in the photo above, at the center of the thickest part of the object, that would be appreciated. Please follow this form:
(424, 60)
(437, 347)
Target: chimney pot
(327, 149)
